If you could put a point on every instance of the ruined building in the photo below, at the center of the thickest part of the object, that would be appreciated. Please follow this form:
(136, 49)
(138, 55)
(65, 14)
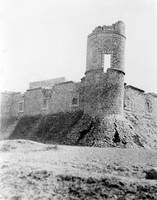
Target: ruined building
(101, 92)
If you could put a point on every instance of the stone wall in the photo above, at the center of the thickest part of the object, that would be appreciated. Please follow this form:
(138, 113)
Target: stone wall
(46, 83)
(104, 92)
(17, 98)
(100, 93)
(134, 100)
(151, 104)
(61, 97)
(106, 40)
(6, 101)
(139, 102)
(10, 104)
(33, 102)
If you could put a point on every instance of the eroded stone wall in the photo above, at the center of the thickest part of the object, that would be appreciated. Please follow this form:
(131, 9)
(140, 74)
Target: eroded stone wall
(134, 100)
(61, 97)
(10, 104)
(106, 40)
(46, 83)
(139, 102)
(52, 100)
(104, 91)
(100, 93)
(33, 101)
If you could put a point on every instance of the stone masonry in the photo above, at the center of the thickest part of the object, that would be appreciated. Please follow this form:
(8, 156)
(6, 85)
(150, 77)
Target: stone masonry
(100, 93)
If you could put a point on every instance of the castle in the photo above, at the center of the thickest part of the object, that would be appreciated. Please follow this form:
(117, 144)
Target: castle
(101, 92)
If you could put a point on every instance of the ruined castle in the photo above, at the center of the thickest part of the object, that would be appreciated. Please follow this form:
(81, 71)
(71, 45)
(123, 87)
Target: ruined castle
(101, 92)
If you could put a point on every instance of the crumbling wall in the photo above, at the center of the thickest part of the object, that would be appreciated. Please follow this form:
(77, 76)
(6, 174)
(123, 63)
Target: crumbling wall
(106, 40)
(9, 103)
(100, 93)
(104, 92)
(6, 102)
(140, 103)
(61, 97)
(134, 100)
(33, 101)
(46, 83)
(16, 99)
(151, 104)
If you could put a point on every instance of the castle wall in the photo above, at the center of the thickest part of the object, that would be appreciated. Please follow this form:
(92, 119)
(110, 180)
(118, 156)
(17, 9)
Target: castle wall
(9, 104)
(104, 92)
(6, 101)
(16, 99)
(46, 83)
(139, 102)
(134, 100)
(105, 96)
(151, 104)
(100, 93)
(52, 100)
(33, 102)
(105, 40)
(62, 96)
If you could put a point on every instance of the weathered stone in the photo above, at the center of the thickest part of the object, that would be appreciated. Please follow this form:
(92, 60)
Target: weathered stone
(101, 94)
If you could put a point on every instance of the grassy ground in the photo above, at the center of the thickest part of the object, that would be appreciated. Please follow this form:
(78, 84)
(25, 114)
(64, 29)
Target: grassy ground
(31, 170)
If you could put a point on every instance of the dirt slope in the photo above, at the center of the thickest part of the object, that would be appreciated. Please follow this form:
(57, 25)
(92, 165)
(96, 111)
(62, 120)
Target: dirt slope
(31, 171)
(77, 128)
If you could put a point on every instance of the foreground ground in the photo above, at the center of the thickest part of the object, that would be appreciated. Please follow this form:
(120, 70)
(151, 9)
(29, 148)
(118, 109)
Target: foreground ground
(35, 171)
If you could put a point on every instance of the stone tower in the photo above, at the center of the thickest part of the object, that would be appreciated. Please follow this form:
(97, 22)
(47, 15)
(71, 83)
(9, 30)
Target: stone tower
(104, 89)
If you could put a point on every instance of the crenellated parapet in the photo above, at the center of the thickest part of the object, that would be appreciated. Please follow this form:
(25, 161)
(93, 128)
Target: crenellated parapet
(105, 70)
(117, 28)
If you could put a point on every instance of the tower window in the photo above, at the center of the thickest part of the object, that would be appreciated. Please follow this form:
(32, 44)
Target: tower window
(106, 61)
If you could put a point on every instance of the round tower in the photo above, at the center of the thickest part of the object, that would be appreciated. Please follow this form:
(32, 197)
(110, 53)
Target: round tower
(105, 69)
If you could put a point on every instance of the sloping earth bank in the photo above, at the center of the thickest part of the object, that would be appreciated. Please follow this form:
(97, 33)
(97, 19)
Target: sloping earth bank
(35, 171)
(77, 128)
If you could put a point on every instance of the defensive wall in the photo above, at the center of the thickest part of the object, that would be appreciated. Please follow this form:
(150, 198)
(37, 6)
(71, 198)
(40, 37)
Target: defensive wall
(101, 92)
(68, 96)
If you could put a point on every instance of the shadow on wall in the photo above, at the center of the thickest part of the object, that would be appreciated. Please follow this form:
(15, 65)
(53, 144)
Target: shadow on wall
(51, 128)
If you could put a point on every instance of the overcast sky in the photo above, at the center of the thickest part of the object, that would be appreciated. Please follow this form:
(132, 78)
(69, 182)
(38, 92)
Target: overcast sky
(44, 39)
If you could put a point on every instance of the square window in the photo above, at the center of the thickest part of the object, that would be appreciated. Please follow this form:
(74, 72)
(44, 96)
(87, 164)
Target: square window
(74, 101)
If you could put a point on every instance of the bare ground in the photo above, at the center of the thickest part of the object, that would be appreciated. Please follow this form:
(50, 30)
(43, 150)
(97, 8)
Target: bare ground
(35, 171)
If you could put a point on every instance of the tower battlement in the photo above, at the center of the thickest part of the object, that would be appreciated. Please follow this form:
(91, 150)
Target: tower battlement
(108, 79)
(117, 28)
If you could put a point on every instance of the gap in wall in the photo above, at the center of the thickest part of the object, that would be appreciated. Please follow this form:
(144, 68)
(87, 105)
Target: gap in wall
(106, 61)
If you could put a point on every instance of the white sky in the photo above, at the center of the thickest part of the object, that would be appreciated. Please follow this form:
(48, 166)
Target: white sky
(44, 39)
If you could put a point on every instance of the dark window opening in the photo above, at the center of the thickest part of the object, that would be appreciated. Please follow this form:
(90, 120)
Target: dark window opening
(74, 101)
